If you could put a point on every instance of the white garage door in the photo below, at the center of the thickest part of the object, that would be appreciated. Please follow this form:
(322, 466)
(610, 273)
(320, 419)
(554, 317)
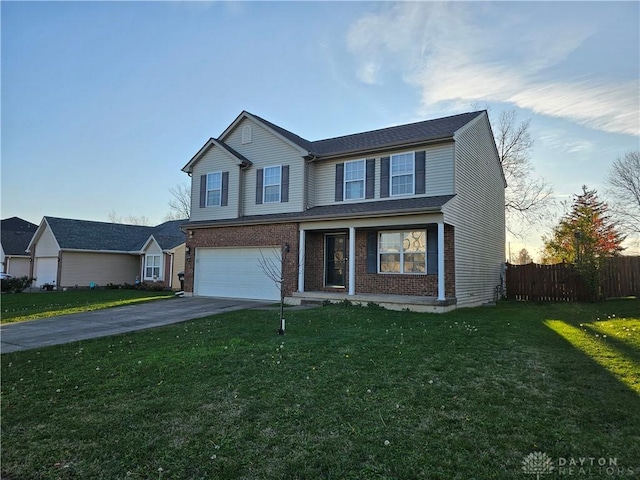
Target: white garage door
(46, 270)
(235, 273)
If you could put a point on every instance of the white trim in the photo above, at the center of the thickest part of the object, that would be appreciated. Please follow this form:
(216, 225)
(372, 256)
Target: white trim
(413, 175)
(352, 261)
(301, 260)
(264, 184)
(441, 279)
(363, 180)
(402, 251)
(159, 277)
(188, 168)
(39, 232)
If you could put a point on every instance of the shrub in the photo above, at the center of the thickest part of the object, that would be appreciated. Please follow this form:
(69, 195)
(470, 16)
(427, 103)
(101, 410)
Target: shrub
(16, 284)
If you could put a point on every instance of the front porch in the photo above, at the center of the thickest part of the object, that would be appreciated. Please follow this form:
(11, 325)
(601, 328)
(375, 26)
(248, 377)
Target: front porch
(391, 302)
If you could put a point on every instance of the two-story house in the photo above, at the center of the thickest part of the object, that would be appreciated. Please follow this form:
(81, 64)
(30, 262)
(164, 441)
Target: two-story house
(410, 216)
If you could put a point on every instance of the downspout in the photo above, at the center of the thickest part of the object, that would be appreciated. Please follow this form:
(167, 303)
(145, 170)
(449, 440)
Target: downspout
(170, 270)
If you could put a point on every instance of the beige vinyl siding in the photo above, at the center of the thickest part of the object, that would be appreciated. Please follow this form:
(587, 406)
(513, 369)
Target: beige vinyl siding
(47, 246)
(82, 268)
(268, 150)
(215, 160)
(310, 184)
(477, 213)
(178, 265)
(439, 178)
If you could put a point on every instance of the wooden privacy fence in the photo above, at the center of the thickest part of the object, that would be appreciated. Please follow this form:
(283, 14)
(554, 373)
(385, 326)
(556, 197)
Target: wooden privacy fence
(620, 277)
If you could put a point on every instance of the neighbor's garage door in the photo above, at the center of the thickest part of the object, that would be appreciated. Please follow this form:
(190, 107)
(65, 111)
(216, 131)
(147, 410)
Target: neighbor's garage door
(46, 270)
(235, 273)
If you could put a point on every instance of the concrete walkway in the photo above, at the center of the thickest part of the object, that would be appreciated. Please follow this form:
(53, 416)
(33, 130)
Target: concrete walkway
(100, 323)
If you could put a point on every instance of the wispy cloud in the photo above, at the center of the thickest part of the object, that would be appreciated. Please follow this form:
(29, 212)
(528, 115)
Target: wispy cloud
(455, 52)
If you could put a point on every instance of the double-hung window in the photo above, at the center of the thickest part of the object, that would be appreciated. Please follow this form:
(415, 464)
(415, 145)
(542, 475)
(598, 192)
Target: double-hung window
(402, 174)
(152, 267)
(354, 173)
(214, 189)
(272, 183)
(403, 252)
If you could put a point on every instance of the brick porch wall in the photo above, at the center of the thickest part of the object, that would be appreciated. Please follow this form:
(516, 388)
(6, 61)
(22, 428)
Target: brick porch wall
(247, 236)
(394, 284)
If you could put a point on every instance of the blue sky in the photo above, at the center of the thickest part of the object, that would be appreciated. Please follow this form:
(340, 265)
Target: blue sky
(104, 102)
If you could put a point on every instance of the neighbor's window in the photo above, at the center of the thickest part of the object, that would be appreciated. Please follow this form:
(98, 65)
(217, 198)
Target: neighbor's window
(402, 173)
(354, 180)
(272, 176)
(152, 267)
(403, 252)
(214, 189)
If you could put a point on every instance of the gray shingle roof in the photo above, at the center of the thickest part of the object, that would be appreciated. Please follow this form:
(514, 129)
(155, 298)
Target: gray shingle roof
(88, 235)
(343, 210)
(425, 131)
(16, 234)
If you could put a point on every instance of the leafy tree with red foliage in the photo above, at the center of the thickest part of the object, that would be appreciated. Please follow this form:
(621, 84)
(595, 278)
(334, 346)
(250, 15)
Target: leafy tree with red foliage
(586, 237)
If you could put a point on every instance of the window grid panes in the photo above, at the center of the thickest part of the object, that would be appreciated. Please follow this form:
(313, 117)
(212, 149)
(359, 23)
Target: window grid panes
(214, 189)
(354, 173)
(272, 177)
(402, 174)
(152, 267)
(403, 252)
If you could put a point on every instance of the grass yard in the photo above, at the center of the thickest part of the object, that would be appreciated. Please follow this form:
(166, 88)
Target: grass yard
(18, 307)
(347, 393)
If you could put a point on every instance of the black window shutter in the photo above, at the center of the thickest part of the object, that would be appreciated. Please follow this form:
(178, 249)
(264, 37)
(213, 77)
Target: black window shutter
(203, 191)
(284, 193)
(432, 249)
(224, 197)
(259, 180)
(339, 182)
(372, 252)
(370, 182)
(420, 173)
(384, 177)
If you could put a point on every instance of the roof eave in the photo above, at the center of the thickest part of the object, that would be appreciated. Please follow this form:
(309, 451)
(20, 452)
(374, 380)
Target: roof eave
(377, 149)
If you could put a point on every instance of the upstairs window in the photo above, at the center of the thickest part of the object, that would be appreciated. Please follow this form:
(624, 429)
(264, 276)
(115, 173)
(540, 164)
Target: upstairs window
(402, 174)
(214, 189)
(403, 252)
(272, 183)
(354, 173)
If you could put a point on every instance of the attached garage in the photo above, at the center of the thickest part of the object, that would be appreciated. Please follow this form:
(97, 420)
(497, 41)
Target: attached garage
(235, 273)
(46, 270)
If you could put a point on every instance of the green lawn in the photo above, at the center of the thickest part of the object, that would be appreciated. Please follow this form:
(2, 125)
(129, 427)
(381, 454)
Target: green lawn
(347, 393)
(18, 307)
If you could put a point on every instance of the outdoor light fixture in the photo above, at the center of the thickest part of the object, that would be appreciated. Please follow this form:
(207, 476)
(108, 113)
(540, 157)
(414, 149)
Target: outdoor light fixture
(187, 250)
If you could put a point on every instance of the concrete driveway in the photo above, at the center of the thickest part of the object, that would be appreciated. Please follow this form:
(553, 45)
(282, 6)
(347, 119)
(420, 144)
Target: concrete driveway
(101, 323)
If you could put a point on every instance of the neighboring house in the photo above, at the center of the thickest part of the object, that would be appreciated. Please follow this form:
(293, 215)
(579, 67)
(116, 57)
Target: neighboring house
(80, 253)
(406, 216)
(16, 234)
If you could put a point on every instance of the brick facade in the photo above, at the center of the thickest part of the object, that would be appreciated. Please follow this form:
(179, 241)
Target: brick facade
(279, 234)
(247, 236)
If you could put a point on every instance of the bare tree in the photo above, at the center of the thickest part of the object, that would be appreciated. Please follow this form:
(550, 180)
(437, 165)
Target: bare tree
(180, 203)
(523, 257)
(624, 189)
(274, 268)
(129, 219)
(527, 198)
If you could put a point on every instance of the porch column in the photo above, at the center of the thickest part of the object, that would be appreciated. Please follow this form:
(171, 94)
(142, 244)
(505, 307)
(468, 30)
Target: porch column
(352, 261)
(441, 294)
(301, 261)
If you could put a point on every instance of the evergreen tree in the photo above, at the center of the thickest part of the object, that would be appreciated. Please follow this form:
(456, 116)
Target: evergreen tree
(586, 237)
